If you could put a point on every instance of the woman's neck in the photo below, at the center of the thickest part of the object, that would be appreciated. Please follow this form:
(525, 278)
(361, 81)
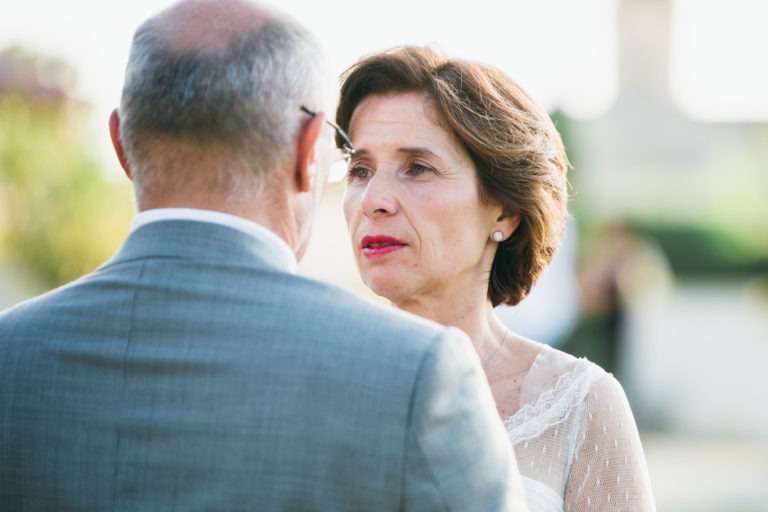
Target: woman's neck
(473, 315)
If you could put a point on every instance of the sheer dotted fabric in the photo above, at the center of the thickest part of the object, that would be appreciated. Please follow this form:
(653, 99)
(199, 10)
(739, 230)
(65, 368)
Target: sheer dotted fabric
(576, 441)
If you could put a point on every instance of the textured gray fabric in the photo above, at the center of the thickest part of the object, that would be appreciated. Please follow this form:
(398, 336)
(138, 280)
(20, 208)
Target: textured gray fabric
(190, 372)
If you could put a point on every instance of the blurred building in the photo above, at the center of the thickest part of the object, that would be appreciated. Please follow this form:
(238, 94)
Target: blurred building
(691, 355)
(37, 79)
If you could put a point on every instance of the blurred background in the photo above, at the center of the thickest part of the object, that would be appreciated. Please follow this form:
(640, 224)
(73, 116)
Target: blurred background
(662, 277)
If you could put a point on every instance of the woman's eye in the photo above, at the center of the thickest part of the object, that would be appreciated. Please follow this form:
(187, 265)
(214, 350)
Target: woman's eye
(417, 169)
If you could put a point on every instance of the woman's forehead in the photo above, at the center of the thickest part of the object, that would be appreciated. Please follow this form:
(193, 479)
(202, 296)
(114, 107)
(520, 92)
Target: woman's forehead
(413, 113)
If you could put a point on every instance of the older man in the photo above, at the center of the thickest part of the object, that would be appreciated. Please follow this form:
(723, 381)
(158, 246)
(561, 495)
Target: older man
(195, 370)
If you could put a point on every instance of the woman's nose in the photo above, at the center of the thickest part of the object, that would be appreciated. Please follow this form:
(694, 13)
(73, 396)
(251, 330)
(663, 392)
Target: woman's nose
(379, 197)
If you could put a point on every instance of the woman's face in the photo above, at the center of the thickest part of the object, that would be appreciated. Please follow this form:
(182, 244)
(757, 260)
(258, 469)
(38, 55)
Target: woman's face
(418, 226)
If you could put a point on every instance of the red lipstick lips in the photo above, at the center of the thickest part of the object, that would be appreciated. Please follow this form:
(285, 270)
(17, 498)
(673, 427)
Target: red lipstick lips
(375, 246)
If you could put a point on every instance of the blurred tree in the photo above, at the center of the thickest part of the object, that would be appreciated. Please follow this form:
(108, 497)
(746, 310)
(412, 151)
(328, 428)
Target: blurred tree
(60, 215)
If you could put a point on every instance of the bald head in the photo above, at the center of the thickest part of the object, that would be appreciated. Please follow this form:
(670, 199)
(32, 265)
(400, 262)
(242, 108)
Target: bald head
(207, 26)
(212, 96)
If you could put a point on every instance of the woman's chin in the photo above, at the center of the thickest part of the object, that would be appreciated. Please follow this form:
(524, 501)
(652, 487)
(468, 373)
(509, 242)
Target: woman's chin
(387, 286)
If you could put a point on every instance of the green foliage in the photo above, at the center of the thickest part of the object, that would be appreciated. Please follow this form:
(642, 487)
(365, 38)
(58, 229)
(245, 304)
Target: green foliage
(706, 251)
(60, 216)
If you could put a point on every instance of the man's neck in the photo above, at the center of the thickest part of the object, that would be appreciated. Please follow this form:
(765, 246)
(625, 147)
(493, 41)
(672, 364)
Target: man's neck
(264, 211)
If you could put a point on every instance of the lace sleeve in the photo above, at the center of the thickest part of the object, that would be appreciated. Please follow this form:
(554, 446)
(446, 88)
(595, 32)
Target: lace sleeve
(608, 471)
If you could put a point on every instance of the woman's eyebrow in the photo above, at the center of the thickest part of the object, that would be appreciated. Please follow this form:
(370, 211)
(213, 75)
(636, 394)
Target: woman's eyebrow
(417, 151)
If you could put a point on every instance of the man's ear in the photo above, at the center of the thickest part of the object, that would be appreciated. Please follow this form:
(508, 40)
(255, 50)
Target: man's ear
(305, 153)
(114, 133)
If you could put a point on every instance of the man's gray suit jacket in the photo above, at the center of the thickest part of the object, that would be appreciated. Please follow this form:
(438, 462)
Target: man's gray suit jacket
(192, 372)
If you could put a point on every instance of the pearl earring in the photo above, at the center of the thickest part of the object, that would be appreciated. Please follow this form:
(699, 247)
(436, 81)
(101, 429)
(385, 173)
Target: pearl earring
(497, 236)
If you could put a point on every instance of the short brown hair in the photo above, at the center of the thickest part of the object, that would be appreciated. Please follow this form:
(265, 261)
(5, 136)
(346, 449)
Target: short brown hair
(518, 153)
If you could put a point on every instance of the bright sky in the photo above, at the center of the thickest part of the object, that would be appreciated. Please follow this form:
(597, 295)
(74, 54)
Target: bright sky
(521, 36)
(718, 67)
(562, 51)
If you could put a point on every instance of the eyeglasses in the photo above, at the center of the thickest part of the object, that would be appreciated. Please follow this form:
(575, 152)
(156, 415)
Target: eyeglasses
(341, 155)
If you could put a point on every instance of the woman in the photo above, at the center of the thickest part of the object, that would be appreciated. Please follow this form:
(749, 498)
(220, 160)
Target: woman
(456, 201)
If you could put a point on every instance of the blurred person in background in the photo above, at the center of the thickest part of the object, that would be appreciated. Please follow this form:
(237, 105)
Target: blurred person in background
(623, 273)
(195, 370)
(456, 200)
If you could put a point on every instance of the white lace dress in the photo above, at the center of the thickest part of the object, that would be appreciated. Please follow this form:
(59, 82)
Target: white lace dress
(576, 441)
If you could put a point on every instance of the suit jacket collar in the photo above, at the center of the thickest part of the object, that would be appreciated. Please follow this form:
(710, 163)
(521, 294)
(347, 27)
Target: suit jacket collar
(191, 239)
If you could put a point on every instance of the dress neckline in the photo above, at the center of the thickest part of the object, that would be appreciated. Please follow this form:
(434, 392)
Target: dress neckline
(556, 382)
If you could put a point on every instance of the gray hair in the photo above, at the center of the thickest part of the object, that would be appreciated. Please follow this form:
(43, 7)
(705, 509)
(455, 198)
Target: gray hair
(239, 103)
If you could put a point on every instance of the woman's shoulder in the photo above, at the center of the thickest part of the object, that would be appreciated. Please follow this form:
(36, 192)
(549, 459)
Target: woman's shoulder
(556, 385)
(584, 379)
(559, 372)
